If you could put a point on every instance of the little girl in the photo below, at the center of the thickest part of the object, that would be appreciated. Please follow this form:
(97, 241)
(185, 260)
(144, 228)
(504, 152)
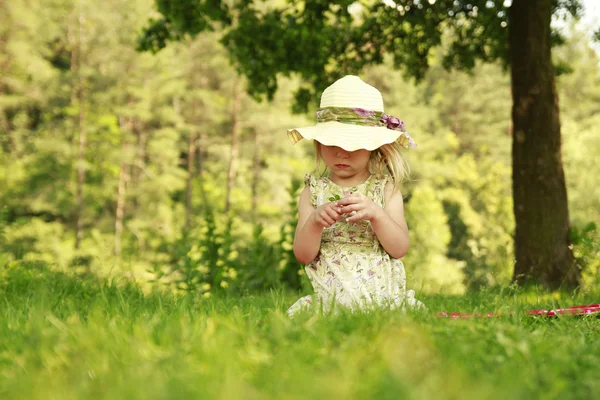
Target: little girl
(351, 230)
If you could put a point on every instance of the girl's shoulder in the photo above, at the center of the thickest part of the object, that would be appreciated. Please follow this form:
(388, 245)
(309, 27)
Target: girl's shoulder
(380, 189)
(309, 178)
(315, 181)
(312, 183)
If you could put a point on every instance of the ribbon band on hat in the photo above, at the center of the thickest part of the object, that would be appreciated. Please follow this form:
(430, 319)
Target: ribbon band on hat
(346, 115)
(360, 116)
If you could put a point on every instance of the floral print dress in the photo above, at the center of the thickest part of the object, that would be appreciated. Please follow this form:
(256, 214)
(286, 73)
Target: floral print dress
(352, 269)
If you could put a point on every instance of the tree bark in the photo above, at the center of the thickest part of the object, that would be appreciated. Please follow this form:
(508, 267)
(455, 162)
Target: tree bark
(120, 214)
(78, 97)
(190, 179)
(234, 145)
(138, 167)
(200, 154)
(121, 196)
(5, 64)
(255, 174)
(122, 188)
(542, 245)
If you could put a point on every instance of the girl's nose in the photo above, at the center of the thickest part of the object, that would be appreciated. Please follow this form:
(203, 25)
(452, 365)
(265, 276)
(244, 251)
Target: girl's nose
(341, 153)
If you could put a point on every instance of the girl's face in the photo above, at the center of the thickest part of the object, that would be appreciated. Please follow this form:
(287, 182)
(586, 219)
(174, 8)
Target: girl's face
(343, 163)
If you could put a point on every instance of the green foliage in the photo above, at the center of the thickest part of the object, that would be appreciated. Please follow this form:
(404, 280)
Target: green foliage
(260, 266)
(291, 269)
(342, 37)
(198, 264)
(586, 241)
(4, 255)
(427, 263)
(479, 209)
(581, 142)
(211, 260)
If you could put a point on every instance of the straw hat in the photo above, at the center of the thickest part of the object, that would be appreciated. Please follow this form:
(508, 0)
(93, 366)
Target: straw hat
(351, 116)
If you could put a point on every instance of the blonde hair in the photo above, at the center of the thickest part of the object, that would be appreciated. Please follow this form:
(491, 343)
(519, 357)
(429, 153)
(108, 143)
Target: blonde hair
(385, 158)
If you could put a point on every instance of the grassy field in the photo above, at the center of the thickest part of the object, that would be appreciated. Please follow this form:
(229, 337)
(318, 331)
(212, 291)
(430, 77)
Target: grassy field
(63, 337)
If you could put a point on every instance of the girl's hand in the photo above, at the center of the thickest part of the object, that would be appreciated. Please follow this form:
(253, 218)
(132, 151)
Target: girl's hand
(326, 214)
(365, 208)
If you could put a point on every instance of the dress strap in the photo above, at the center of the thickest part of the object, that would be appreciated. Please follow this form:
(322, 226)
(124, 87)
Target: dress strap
(311, 182)
(376, 189)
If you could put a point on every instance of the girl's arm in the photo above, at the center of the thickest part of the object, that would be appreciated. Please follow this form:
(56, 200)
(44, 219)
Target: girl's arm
(388, 223)
(311, 221)
(390, 226)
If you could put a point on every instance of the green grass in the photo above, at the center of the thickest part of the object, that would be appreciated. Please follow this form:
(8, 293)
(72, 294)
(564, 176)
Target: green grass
(63, 337)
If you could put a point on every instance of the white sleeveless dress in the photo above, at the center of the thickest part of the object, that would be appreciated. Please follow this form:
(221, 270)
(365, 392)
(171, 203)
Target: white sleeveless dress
(352, 269)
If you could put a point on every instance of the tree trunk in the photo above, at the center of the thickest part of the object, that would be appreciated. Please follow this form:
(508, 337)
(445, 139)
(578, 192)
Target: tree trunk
(122, 189)
(234, 145)
(120, 214)
(199, 154)
(255, 174)
(138, 167)
(5, 63)
(190, 179)
(126, 125)
(200, 157)
(81, 163)
(78, 97)
(4, 123)
(542, 245)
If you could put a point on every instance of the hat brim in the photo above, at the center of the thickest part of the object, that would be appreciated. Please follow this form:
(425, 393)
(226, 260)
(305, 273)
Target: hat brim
(347, 136)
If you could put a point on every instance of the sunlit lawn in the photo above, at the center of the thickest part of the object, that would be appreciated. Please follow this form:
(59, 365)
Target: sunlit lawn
(70, 338)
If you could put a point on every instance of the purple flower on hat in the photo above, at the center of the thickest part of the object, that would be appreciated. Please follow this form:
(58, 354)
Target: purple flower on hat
(392, 122)
(364, 113)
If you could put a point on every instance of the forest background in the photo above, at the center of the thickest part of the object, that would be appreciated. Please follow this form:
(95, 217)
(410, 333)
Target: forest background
(160, 168)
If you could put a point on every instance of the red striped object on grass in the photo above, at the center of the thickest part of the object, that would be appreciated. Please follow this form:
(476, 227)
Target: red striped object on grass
(574, 310)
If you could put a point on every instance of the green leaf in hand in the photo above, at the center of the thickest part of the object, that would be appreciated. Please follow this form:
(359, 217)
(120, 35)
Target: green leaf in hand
(335, 198)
